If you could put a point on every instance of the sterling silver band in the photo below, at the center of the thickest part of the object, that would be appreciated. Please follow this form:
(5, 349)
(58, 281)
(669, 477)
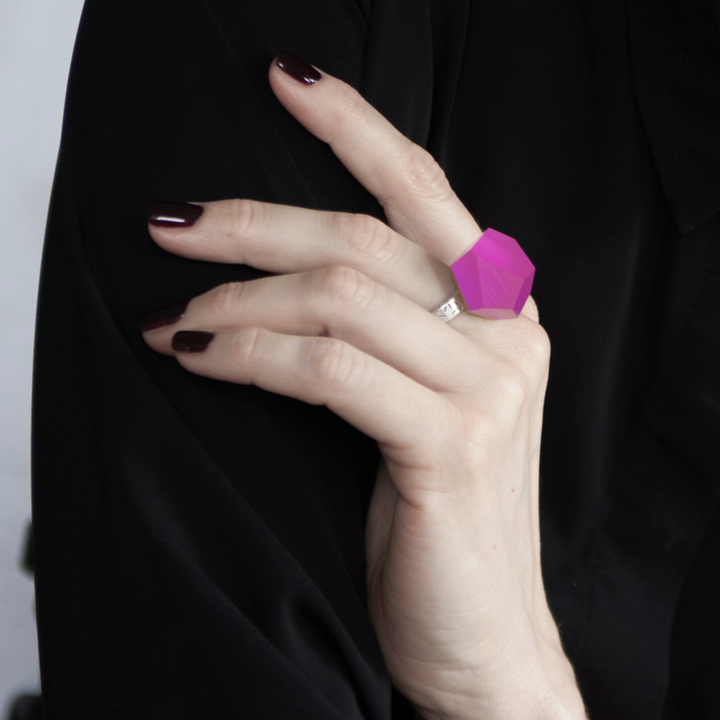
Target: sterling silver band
(449, 309)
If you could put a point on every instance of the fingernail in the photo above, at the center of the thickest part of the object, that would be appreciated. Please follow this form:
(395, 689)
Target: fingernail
(172, 214)
(162, 317)
(191, 341)
(297, 69)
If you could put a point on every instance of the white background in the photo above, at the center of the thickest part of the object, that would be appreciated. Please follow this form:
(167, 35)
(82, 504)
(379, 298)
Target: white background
(36, 39)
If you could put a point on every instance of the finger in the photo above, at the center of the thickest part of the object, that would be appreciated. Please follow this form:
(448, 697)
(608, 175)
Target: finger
(405, 179)
(530, 309)
(341, 303)
(256, 234)
(373, 397)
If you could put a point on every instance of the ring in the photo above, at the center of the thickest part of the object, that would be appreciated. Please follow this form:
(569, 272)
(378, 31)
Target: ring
(495, 276)
(450, 308)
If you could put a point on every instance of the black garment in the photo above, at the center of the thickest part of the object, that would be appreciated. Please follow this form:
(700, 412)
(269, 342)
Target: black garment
(199, 545)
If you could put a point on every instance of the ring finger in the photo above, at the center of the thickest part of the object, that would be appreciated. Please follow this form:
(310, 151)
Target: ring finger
(340, 303)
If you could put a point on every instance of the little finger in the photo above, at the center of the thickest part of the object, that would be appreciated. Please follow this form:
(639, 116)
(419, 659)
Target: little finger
(375, 398)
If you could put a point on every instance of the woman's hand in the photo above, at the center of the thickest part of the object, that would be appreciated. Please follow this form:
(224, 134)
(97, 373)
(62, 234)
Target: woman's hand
(453, 550)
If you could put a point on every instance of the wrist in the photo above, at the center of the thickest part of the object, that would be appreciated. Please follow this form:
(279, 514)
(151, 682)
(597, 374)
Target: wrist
(538, 688)
(547, 704)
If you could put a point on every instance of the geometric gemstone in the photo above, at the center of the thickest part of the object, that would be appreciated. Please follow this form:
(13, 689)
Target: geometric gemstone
(495, 276)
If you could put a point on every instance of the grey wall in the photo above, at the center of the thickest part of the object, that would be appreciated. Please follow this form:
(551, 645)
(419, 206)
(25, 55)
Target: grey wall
(36, 38)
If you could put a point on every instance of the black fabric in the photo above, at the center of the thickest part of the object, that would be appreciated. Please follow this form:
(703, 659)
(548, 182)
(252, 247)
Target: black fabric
(198, 545)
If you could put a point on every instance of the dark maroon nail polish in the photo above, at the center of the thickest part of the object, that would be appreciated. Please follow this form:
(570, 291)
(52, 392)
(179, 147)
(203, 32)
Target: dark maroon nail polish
(172, 214)
(162, 317)
(191, 341)
(297, 69)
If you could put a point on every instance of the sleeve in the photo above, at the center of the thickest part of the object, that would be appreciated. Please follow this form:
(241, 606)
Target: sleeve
(199, 545)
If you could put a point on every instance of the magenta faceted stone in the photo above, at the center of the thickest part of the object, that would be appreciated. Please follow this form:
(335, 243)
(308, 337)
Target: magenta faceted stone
(495, 276)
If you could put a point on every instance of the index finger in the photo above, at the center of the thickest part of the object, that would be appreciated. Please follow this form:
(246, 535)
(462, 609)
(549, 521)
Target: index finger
(409, 184)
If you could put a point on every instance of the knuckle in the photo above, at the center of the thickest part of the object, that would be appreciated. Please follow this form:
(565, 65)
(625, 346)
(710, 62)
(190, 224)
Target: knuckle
(537, 347)
(368, 240)
(247, 348)
(471, 441)
(350, 112)
(346, 289)
(508, 390)
(483, 431)
(225, 299)
(531, 354)
(425, 175)
(336, 364)
(512, 387)
(347, 113)
(244, 217)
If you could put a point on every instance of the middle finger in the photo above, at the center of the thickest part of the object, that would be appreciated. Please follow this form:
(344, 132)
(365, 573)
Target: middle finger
(258, 234)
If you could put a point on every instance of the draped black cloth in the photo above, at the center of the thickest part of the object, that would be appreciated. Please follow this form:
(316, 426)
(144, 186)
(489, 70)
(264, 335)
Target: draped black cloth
(199, 545)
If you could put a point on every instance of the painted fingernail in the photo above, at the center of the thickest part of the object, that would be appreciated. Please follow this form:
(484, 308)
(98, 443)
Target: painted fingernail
(297, 69)
(162, 317)
(191, 341)
(172, 214)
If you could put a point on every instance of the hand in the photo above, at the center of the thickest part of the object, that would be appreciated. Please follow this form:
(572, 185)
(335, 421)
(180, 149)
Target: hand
(453, 550)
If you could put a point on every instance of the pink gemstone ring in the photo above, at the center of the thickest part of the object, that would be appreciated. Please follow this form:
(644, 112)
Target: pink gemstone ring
(495, 276)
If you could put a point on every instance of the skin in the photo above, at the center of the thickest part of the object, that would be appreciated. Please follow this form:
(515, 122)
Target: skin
(453, 548)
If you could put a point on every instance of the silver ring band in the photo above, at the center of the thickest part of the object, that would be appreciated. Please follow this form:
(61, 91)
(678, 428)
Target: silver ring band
(449, 309)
